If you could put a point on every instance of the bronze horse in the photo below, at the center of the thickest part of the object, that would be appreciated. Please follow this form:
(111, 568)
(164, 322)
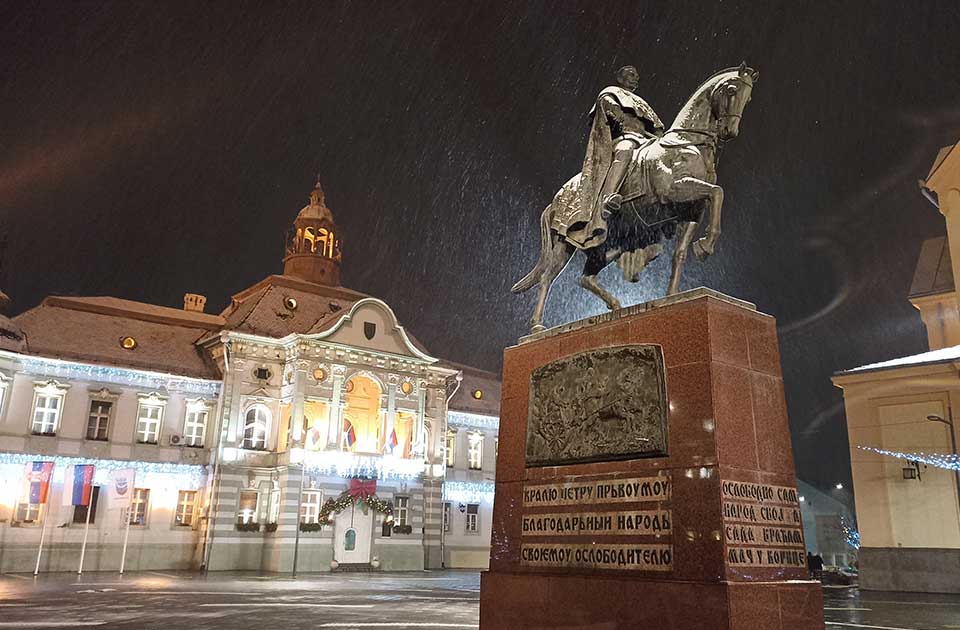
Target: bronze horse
(670, 186)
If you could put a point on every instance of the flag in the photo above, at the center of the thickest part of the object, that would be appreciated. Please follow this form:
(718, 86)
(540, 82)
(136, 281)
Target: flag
(121, 487)
(393, 439)
(350, 435)
(37, 482)
(82, 484)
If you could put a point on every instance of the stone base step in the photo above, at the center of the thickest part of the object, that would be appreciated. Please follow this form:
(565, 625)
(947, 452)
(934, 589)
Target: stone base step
(354, 567)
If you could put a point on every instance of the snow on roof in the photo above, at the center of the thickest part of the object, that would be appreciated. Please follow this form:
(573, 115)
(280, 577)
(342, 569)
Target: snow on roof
(943, 355)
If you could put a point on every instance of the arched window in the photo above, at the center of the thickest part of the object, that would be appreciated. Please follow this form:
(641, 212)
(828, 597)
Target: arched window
(255, 428)
(350, 540)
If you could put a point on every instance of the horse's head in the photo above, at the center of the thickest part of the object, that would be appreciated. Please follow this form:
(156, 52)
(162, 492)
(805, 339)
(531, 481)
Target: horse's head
(730, 95)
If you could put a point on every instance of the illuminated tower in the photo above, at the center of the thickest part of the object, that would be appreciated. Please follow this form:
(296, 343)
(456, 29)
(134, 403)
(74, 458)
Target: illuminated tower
(313, 250)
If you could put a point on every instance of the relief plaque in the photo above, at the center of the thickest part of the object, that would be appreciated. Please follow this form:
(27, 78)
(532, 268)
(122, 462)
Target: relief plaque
(599, 405)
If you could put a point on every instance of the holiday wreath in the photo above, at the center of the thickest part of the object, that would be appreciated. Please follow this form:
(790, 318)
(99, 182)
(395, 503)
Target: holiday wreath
(360, 491)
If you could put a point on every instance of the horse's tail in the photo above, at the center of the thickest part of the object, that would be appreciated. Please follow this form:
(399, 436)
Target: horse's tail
(534, 276)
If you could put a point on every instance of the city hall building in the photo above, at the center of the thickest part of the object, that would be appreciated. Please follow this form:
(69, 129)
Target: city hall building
(303, 424)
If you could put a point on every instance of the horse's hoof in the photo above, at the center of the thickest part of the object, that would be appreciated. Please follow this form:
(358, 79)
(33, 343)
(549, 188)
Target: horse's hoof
(701, 251)
(537, 328)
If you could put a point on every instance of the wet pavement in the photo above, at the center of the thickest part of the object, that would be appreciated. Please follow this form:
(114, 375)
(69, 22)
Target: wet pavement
(435, 599)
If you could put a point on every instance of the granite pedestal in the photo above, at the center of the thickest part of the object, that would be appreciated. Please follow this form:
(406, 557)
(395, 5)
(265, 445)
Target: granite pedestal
(704, 534)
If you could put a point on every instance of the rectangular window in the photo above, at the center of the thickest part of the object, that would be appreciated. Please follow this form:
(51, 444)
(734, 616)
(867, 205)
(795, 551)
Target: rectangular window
(475, 450)
(401, 510)
(473, 518)
(310, 508)
(446, 517)
(247, 512)
(46, 414)
(98, 419)
(451, 447)
(28, 512)
(186, 504)
(80, 511)
(148, 423)
(195, 427)
(139, 506)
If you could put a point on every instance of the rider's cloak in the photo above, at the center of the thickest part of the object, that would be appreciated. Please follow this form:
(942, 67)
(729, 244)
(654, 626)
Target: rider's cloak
(578, 217)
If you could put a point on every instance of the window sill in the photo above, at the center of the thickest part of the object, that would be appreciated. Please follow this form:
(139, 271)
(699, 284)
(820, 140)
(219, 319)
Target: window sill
(147, 443)
(42, 434)
(93, 439)
(192, 445)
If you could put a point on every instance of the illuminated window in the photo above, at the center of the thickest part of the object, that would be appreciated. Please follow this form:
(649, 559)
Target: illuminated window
(98, 419)
(195, 425)
(80, 511)
(473, 518)
(451, 447)
(149, 416)
(139, 506)
(255, 428)
(28, 512)
(406, 387)
(247, 511)
(446, 517)
(46, 414)
(186, 504)
(319, 375)
(478, 394)
(128, 343)
(475, 450)
(401, 510)
(310, 508)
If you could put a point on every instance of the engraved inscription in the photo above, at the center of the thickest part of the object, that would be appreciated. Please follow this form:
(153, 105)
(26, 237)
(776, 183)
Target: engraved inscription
(599, 405)
(639, 557)
(601, 491)
(638, 523)
(762, 526)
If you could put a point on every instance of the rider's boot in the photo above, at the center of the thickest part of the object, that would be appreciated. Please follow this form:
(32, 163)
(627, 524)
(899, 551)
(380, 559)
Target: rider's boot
(610, 196)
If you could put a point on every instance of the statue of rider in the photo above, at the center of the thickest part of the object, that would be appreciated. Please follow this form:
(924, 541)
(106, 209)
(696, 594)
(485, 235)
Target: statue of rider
(622, 122)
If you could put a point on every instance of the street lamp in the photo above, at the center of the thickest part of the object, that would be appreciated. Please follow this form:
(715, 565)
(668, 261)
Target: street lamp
(953, 443)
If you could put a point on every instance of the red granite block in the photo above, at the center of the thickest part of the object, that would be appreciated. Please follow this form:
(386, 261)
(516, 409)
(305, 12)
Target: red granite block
(728, 327)
(733, 412)
(511, 452)
(691, 425)
(754, 607)
(616, 333)
(680, 329)
(764, 349)
(520, 360)
(509, 601)
(773, 441)
(801, 605)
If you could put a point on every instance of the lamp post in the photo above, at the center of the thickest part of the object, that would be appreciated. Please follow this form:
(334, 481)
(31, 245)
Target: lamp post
(953, 443)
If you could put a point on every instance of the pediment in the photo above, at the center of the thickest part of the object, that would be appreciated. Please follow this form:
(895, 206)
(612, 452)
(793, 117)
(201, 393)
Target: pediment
(372, 325)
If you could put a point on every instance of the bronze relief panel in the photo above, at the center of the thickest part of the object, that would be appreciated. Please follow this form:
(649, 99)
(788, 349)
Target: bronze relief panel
(603, 404)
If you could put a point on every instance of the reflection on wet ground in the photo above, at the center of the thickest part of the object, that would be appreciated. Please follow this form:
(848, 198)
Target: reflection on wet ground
(434, 599)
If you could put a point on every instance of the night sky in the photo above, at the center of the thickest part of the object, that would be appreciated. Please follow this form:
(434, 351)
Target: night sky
(153, 149)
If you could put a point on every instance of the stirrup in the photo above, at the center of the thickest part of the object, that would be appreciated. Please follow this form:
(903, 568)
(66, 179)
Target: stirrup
(612, 202)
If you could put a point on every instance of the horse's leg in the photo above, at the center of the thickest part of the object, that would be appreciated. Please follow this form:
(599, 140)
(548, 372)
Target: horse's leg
(557, 257)
(684, 238)
(691, 189)
(596, 261)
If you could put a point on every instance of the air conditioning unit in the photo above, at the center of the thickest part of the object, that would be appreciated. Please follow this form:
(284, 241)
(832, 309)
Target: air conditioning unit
(176, 440)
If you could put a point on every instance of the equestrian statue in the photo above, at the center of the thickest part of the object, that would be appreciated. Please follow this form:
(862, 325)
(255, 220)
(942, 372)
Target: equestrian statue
(641, 185)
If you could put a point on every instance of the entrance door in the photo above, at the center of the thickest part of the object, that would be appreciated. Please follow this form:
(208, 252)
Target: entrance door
(353, 535)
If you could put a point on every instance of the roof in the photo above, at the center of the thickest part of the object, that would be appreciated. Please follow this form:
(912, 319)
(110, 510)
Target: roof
(475, 379)
(264, 310)
(943, 355)
(11, 337)
(941, 156)
(934, 272)
(90, 328)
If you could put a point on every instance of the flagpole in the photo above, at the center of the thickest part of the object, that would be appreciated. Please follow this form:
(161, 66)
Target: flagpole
(86, 530)
(126, 537)
(43, 530)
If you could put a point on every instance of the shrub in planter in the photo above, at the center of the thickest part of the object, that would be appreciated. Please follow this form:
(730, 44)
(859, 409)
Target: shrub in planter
(403, 529)
(248, 527)
(311, 527)
(270, 527)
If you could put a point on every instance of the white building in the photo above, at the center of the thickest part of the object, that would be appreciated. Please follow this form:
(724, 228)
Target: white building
(302, 418)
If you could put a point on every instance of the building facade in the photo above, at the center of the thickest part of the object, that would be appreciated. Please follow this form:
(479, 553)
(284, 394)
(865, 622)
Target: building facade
(302, 425)
(901, 426)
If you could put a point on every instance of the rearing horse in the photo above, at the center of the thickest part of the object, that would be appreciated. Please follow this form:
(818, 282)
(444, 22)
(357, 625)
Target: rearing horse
(670, 185)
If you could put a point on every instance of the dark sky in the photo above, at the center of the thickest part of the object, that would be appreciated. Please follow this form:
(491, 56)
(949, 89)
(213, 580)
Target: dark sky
(151, 149)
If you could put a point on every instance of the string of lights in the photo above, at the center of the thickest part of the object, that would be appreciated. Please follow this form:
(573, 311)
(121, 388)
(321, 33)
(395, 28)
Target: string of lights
(467, 491)
(188, 476)
(939, 460)
(465, 420)
(344, 464)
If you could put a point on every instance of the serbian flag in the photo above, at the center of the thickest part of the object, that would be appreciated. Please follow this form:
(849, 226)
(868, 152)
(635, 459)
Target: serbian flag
(350, 435)
(82, 484)
(38, 481)
(393, 439)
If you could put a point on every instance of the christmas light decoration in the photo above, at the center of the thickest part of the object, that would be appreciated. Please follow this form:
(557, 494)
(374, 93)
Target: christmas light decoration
(149, 474)
(467, 492)
(464, 420)
(346, 499)
(851, 535)
(938, 460)
(371, 466)
(58, 368)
